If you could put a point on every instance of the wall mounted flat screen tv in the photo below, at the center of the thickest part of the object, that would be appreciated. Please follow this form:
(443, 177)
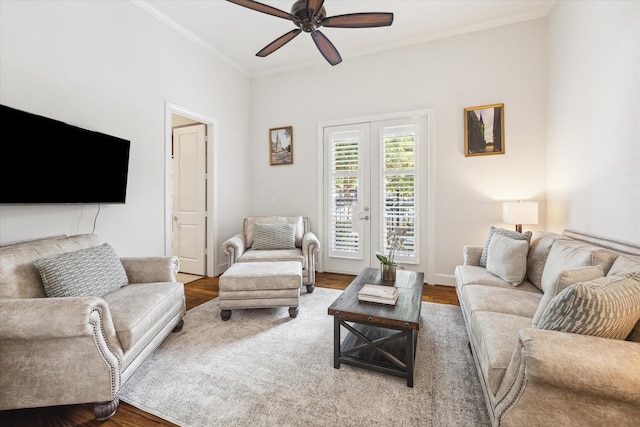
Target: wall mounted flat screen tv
(47, 161)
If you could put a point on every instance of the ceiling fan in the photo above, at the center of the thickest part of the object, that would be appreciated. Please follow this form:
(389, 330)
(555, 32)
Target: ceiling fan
(308, 16)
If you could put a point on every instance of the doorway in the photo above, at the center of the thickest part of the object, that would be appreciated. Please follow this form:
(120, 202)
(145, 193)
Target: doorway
(376, 179)
(189, 198)
(190, 208)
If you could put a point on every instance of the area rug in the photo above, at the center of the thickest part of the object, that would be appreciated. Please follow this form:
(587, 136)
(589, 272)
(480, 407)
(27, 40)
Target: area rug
(263, 368)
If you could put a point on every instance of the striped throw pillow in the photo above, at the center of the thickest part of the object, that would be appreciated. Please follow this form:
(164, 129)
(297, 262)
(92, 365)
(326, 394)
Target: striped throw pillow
(274, 236)
(608, 307)
(566, 279)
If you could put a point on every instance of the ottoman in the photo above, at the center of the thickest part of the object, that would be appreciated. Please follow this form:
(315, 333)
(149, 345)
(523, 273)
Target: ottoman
(260, 285)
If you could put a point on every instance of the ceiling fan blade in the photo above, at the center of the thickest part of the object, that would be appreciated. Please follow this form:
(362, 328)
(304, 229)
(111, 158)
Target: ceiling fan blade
(359, 20)
(313, 7)
(260, 7)
(278, 43)
(326, 48)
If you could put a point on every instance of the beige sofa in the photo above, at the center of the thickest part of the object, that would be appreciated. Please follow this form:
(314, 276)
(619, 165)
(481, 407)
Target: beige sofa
(303, 248)
(543, 358)
(79, 349)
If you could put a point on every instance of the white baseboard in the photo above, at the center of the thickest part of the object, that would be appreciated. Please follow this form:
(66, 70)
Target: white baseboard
(445, 279)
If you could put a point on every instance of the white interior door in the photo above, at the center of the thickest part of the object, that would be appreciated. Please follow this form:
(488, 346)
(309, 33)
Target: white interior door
(189, 198)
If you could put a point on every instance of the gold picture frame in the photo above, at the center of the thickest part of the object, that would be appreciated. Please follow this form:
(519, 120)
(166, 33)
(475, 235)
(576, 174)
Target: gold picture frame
(281, 146)
(484, 130)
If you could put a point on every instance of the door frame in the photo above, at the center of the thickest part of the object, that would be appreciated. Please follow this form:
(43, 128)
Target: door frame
(211, 265)
(428, 242)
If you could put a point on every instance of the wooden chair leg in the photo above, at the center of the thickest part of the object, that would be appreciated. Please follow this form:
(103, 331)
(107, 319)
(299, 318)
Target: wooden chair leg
(179, 326)
(105, 410)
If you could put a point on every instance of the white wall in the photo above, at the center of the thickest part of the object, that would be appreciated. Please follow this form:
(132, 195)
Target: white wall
(110, 67)
(594, 118)
(503, 65)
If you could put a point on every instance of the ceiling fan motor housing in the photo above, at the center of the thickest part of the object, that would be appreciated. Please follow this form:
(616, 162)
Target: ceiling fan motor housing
(304, 21)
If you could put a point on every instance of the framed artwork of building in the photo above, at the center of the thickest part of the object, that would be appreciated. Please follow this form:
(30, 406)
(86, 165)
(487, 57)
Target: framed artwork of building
(281, 146)
(484, 130)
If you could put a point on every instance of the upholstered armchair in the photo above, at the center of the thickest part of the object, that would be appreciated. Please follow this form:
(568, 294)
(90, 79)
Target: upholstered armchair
(248, 246)
(76, 320)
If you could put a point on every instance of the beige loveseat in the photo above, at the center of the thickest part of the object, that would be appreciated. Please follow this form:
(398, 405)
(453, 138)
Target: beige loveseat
(80, 349)
(565, 356)
(303, 246)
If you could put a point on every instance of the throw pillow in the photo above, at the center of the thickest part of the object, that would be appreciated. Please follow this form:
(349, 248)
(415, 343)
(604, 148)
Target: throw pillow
(274, 236)
(608, 307)
(509, 233)
(507, 258)
(566, 279)
(95, 272)
(624, 264)
(538, 252)
(563, 255)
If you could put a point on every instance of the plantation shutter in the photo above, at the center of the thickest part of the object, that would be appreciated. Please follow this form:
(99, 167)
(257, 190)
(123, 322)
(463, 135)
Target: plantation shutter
(399, 193)
(346, 179)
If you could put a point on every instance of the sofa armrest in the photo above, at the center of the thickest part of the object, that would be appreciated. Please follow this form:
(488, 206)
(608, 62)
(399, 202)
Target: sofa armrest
(472, 255)
(151, 269)
(310, 248)
(235, 247)
(45, 318)
(53, 344)
(310, 244)
(581, 365)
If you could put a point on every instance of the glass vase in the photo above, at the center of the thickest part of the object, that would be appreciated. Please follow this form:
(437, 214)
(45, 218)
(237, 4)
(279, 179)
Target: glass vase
(388, 272)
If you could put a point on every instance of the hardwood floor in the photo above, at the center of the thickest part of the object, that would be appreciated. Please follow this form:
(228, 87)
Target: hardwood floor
(197, 292)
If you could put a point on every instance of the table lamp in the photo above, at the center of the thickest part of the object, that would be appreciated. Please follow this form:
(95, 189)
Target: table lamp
(519, 213)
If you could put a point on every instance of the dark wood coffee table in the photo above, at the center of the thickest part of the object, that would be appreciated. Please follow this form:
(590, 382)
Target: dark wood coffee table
(379, 337)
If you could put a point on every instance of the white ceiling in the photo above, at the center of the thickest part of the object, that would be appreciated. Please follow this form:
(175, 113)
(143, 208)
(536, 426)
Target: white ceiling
(235, 33)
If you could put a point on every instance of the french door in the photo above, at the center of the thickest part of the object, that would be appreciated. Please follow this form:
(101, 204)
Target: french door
(371, 188)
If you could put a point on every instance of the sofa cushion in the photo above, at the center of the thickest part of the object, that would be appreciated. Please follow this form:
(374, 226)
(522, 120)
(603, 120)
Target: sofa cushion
(139, 310)
(274, 255)
(471, 275)
(566, 279)
(507, 258)
(564, 255)
(494, 337)
(94, 272)
(608, 307)
(274, 236)
(624, 264)
(538, 252)
(19, 277)
(499, 300)
(509, 233)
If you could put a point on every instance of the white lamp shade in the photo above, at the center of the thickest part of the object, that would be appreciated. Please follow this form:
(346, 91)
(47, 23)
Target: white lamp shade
(520, 212)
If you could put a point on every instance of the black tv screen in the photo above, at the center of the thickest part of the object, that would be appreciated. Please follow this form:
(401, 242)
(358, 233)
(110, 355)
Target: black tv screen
(48, 161)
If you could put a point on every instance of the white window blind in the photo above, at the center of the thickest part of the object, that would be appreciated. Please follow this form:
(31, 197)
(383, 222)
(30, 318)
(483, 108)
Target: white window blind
(345, 183)
(399, 195)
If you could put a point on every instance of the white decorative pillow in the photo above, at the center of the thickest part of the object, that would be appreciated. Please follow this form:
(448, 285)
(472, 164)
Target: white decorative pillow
(509, 233)
(507, 258)
(95, 272)
(274, 236)
(566, 279)
(563, 255)
(608, 307)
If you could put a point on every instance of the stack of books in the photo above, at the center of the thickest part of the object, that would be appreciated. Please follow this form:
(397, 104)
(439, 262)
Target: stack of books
(378, 293)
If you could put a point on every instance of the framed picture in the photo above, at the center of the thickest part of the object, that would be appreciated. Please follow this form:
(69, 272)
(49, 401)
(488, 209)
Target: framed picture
(281, 146)
(484, 130)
